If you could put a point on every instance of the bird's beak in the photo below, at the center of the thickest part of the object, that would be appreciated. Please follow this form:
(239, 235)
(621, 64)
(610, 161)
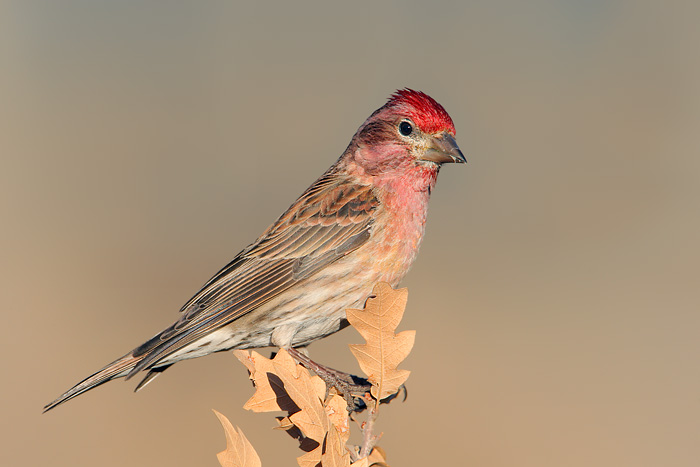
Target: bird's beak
(443, 149)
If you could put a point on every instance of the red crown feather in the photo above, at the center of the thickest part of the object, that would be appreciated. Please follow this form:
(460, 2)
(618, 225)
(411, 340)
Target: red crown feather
(425, 111)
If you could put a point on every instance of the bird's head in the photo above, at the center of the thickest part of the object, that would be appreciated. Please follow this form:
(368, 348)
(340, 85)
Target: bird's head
(411, 133)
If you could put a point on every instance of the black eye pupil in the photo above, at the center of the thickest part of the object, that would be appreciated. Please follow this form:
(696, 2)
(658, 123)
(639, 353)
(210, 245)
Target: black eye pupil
(405, 128)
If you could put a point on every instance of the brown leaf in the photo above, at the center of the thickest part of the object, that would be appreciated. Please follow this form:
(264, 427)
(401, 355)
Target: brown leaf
(384, 350)
(360, 463)
(284, 424)
(245, 358)
(270, 394)
(310, 459)
(337, 411)
(336, 455)
(239, 452)
(307, 392)
(377, 457)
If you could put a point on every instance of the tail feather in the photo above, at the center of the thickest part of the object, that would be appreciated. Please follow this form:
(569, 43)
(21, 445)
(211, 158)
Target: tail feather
(150, 376)
(117, 369)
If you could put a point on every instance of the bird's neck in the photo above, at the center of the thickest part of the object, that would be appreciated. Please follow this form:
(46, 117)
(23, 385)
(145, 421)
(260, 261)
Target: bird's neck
(404, 188)
(403, 195)
(409, 191)
(405, 203)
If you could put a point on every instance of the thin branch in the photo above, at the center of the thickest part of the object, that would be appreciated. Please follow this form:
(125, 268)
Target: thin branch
(368, 439)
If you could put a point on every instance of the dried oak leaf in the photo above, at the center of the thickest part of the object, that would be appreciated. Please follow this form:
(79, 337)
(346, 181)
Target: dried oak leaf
(307, 392)
(310, 459)
(384, 349)
(377, 457)
(270, 394)
(282, 384)
(285, 424)
(337, 411)
(239, 452)
(336, 455)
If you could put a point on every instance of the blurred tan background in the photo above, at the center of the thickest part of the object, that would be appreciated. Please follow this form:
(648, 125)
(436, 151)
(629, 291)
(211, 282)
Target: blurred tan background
(556, 297)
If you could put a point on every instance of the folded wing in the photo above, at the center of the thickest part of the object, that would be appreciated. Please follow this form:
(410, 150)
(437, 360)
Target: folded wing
(331, 219)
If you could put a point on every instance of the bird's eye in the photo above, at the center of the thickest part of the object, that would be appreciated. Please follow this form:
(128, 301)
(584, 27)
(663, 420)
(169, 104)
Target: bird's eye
(405, 128)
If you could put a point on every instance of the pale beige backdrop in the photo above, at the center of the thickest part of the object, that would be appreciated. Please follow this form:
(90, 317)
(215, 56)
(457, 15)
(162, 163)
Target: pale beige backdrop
(556, 297)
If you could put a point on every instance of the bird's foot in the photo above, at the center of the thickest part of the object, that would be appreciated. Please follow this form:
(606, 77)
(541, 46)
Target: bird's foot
(353, 388)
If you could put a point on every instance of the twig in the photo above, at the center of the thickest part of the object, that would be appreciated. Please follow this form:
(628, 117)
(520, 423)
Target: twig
(369, 440)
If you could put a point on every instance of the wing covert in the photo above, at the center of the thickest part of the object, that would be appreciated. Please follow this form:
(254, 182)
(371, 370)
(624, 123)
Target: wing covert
(331, 219)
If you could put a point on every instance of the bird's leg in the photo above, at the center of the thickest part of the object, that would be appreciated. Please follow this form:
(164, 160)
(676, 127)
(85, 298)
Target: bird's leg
(350, 386)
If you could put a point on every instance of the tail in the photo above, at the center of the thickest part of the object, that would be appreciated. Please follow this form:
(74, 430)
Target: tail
(116, 369)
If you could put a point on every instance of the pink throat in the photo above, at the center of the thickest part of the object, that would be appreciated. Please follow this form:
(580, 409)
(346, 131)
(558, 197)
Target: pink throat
(411, 190)
(406, 199)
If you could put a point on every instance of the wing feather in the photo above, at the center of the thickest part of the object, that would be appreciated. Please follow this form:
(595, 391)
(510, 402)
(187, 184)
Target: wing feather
(331, 219)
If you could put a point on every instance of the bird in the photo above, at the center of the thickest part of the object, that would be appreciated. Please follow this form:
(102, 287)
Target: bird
(360, 223)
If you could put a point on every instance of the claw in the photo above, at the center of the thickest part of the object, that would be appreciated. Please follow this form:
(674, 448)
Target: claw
(353, 388)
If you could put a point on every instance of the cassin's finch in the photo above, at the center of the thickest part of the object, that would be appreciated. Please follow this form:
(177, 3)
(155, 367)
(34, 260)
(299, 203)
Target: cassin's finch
(360, 223)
